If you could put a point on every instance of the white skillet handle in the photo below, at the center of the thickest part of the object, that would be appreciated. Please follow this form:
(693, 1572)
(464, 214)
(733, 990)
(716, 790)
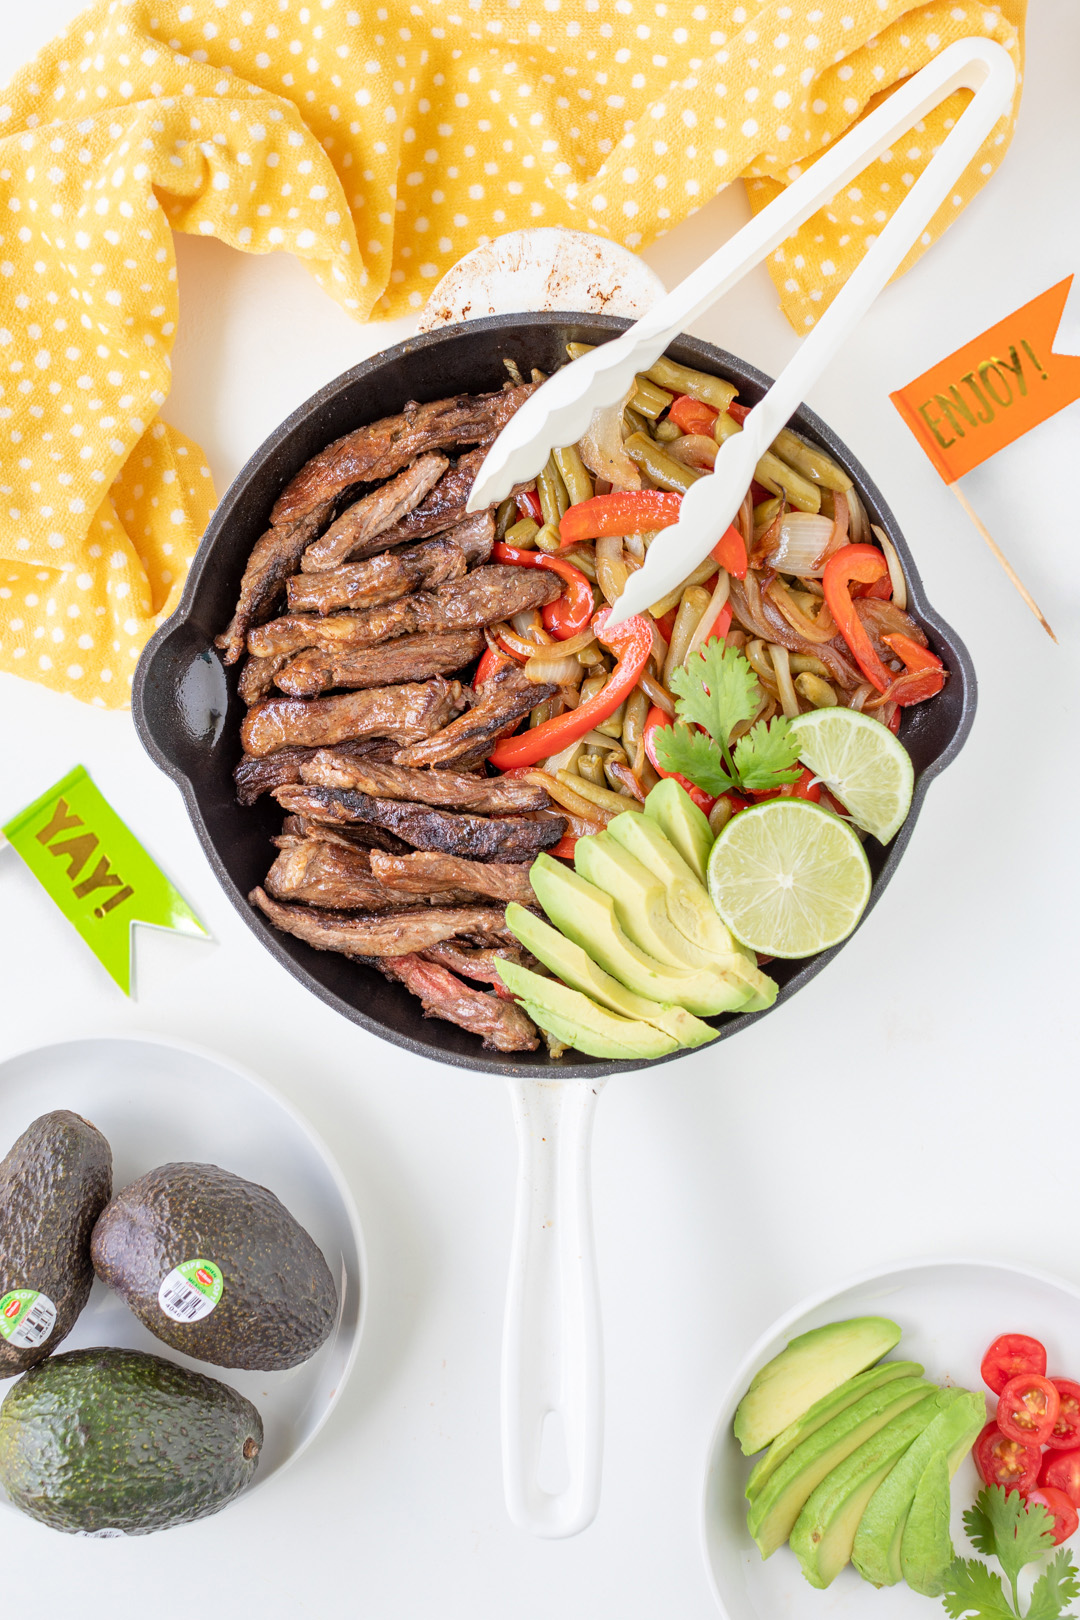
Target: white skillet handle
(552, 1348)
(560, 411)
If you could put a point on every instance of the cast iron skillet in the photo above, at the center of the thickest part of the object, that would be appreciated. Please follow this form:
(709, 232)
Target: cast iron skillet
(188, 713)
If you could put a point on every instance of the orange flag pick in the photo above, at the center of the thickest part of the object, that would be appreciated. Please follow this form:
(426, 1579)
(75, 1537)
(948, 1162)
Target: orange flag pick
(989, 392)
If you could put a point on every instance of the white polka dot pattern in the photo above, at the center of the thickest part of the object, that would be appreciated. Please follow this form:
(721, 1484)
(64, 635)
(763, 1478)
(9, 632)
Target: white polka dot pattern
(378, 142)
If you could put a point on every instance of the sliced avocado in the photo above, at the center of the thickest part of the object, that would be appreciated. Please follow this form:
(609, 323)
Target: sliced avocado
(926, 1550)
(825, 1529)
(640, 903)
(876, 1550)
(576, 968)
(778, 1504)
(687, 899)
(117, 1440)
(811, 1366)
(680, 820)
(579, 1022)
(587, 916)
(820, 1414)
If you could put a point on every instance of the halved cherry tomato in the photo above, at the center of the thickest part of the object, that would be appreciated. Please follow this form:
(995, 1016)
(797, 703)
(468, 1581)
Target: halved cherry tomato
(1000, 1461)
(1061, 1469)
(1028, 1409)
(1058, 1504)
(1066, 1432)
(1010, 1355)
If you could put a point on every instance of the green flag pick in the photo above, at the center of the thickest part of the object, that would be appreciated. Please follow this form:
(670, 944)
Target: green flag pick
(96, 871)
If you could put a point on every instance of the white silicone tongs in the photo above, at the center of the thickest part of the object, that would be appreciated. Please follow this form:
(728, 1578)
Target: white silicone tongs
(552, 1356)
(560, 411)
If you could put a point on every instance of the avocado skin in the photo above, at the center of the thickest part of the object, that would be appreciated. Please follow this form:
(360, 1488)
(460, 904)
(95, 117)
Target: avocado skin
(114, 1439)
(278, 1303)
(54, 1183)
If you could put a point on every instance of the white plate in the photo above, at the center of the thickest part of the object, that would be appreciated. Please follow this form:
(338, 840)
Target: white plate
(950, 1311)
(160, 1101)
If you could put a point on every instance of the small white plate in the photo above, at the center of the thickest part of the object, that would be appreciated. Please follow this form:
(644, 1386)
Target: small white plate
(158, 1102)
(950, 1311)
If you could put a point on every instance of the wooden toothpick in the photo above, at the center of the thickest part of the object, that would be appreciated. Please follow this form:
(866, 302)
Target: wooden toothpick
(1002, 559)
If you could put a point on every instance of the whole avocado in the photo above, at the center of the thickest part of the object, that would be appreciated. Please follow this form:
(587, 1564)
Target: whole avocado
(103, 1439)
(54, 1183)
(273, 1298)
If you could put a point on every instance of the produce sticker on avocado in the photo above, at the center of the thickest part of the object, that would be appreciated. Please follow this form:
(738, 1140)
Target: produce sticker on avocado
(191, 1290)
(26, 1318)
(94, 868)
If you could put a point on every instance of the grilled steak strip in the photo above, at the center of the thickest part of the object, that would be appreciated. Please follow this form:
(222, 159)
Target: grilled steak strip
(446, 503)
(382, 448)
(256, 776)
(392, 933)
(503, 1024)
(257, 677)
(476, 961)
(409, 658)
(390, 574)
(425, 873)
(405, 713)
(366, 518)
(360, 836)
(449, 789)
(485, 596)
(335, 876)
(275, 556)
(474, 837)
(505, 697)
(378, 580)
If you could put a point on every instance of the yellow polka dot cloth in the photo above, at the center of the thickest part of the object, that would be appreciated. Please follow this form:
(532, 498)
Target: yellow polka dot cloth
(378, 142)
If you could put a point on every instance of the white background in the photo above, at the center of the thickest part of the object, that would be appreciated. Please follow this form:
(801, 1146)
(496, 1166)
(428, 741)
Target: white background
(918, 1098)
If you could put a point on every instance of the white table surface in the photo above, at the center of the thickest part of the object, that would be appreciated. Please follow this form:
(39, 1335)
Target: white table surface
(910, 1102)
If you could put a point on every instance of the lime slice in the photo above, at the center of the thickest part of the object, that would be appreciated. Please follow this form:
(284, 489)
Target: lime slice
(789, 878)
(861, 763)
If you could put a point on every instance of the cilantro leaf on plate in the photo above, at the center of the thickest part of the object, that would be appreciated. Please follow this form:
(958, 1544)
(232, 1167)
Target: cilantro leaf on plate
(1055, 1590)
(765, 755)
(692, 754)
(974, 1591)
(1022, 1531)
(716, 688)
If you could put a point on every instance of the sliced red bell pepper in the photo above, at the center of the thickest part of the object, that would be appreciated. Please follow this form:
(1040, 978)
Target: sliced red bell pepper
(565, 847)
(881, 588)
(528, 505)
(730, 552)
(692, 415)
(632, 642)
(666, 624)
(655, 721)
(924, 673)
(571, 613)
(491, 659)
(622, 512)
(864, 564)
(806, 787)
(739, 413)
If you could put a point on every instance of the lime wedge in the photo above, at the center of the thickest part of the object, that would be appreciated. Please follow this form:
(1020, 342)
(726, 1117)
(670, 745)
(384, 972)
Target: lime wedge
(861, 763)
(789, 878)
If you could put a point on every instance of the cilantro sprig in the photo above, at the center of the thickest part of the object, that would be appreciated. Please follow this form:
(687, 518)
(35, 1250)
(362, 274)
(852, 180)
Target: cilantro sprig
(717, 690)
(1004, 1526)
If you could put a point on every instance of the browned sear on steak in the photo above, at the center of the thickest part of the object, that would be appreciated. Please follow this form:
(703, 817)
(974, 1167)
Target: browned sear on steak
(388, 933)
(485, 596)
(427, 872)
(382, 448)
(451, 790)
(406, 713)
(504, 1026)
(255, 776)
(276, 555)
(477, 838)
(359, 526)
(409, 658)
(504, 698)
(445, 504)
(394, 573)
